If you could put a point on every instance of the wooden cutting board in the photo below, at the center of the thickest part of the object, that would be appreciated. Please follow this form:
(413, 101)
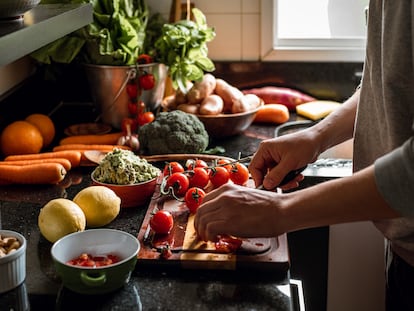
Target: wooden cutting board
(188, 252)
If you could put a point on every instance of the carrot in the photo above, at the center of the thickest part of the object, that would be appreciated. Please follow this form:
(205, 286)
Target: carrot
(82, 147)
(103, 139)
(72, 155)
(43, 173)
(280, 95)
(65, 162)
(272, 113)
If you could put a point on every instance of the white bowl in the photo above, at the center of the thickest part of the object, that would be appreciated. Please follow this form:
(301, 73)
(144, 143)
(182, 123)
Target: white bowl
(13, 265)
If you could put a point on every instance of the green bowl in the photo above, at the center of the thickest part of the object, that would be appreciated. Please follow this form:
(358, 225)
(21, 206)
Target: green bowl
(99, 280)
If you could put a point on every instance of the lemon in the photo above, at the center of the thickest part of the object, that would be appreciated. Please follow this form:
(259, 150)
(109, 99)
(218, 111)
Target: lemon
(60, 217)
(100, 204)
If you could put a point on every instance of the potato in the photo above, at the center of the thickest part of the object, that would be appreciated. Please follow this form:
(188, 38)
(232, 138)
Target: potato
(211, 105)
(189, 108)
(228, 93)
(180, 97)
(245, 103)
(201, 89)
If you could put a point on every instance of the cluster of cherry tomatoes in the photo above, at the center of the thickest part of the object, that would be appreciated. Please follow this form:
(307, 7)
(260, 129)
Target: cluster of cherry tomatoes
(136, 108)
(189, 183)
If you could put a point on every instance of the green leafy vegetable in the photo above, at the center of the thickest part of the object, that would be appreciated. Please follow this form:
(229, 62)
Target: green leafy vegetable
(183, 48)
(115, 37)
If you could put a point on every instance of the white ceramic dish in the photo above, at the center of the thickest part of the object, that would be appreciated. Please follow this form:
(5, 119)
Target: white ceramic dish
(13, 265)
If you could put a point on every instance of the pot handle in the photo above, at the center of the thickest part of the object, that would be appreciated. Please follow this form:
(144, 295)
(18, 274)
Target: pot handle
(94, 279)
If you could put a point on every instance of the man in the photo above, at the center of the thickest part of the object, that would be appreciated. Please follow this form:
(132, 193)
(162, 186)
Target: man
(380, 118)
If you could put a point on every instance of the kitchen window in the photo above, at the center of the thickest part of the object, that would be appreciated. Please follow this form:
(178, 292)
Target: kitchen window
(313, 30)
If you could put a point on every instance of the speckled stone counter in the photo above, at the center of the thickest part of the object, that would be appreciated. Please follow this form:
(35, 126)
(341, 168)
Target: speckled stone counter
(153, 289)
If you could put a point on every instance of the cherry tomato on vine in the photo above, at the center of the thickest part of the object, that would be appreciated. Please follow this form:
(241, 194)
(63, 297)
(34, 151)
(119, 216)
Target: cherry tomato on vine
(147, 81)
(179, 183)
(172, 167)
(219, 176)
(133, 107)
(144, 59)
(162, 222)
(132, 90)
(191, 164)
(144, 118)
(199, 177)
(193, 198)
(239, 173)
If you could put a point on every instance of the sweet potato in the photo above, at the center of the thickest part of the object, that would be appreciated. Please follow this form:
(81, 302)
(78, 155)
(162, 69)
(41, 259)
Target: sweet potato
(211, 105)
(228, 93)
(201, 89)
(280, 95)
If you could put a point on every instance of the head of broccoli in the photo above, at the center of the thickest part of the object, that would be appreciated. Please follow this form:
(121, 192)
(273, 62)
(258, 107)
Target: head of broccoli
(173, 132)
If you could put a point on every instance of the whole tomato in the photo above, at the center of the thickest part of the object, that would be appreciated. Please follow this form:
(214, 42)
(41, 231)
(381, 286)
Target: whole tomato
(144, 118)
(191, 164)
(132, 90)
(239, 173)
(172, 167)
(199, 177)
(193, 198)
(219, 176)
(162, 222)
(179, 183)
(147, 81)
(144, 59)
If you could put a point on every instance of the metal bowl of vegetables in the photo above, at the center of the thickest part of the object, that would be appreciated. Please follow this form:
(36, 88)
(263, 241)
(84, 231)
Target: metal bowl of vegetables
(95, 261)
(132, 178)
(15, 9)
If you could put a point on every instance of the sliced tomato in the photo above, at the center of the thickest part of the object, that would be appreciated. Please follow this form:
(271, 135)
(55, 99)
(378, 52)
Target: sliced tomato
(193, 198)
(228, 244)
(162, 222)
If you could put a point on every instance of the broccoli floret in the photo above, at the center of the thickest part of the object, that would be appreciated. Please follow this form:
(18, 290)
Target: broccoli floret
(173, 132)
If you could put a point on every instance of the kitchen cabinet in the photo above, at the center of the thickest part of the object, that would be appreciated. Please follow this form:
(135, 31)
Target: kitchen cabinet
(39, 27)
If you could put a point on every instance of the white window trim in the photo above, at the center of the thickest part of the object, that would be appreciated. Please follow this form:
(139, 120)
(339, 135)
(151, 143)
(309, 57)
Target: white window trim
(347, 51)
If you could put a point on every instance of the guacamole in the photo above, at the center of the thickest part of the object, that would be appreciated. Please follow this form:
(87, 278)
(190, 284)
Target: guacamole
(123, 167)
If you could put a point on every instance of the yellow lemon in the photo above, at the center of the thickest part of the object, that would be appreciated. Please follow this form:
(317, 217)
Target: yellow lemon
(100, 204)
(60, 217)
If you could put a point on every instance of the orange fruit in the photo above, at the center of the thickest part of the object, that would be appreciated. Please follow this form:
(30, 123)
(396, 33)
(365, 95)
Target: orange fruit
(20, 137)
(45, 126)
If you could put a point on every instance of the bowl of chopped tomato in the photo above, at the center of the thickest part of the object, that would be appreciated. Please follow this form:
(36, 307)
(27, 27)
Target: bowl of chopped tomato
(95, 261)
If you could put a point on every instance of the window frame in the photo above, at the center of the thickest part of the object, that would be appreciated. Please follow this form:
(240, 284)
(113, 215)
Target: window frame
(316, 50)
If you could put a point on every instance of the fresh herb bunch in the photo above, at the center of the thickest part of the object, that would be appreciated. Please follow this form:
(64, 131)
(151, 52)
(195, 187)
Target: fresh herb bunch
(183, 48)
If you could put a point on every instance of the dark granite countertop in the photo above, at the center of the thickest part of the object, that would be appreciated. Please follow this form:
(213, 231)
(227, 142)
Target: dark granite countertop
(149, 289)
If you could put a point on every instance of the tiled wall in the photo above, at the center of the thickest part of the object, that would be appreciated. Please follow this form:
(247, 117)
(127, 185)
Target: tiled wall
(236, 22)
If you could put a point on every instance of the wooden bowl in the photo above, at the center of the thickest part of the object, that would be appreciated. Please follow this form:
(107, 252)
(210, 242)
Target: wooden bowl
(226, 125)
